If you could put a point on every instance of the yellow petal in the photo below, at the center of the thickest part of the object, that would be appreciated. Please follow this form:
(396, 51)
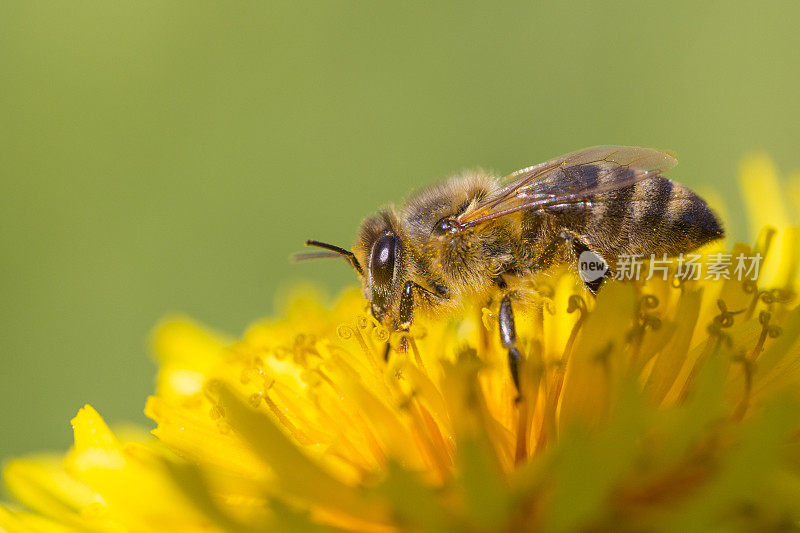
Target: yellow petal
(300, 477)
(42, 484)
(593, 367)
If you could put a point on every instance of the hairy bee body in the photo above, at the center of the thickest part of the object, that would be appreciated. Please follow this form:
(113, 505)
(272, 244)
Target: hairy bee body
(474, 234)
(653, 216)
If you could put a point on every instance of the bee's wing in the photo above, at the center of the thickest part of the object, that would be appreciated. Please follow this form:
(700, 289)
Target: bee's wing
(569, 179)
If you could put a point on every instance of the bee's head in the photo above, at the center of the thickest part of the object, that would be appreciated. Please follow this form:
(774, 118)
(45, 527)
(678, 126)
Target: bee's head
(382, 272)
(380, 249)
(378, 259)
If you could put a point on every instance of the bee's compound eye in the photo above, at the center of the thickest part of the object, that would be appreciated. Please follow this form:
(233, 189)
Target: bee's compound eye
(382, 259)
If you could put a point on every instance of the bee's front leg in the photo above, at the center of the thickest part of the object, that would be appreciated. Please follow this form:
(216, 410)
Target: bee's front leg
(405, 312)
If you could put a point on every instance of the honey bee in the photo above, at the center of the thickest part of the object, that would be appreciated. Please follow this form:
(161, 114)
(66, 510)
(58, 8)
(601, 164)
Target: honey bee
(476, 236)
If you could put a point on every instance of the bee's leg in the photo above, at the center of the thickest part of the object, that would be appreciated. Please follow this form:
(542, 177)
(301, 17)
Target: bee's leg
(508, 333)
(508, 336)
(405, 314)
(406, 311)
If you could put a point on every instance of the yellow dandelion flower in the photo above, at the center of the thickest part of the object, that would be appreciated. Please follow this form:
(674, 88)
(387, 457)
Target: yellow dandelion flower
(662, 404)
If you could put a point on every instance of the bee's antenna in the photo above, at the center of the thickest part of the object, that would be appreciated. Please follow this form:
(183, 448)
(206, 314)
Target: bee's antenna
(347, 254)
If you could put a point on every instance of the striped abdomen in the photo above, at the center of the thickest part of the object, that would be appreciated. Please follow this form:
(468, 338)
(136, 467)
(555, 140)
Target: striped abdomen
(654, 216)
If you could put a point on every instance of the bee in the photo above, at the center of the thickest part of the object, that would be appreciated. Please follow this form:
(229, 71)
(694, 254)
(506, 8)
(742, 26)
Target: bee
(475, 236)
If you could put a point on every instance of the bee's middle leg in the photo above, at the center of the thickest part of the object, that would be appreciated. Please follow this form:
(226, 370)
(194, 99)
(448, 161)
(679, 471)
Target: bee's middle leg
(508, 337)
(508, 333)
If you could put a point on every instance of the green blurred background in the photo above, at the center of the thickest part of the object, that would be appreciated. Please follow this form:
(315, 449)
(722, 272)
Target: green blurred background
(169, 156)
